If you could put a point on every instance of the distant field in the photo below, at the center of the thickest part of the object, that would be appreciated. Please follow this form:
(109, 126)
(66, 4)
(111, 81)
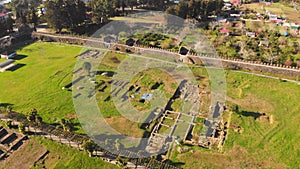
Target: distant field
(277, 8)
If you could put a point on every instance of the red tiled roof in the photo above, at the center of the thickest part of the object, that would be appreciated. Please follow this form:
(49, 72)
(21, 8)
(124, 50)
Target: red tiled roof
(3, 14)
(224, 31)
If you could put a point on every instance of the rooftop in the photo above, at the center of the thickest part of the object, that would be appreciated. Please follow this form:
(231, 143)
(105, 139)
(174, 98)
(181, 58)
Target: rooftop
(2, 14)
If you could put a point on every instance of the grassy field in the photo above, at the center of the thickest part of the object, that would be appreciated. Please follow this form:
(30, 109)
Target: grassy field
(261, 144)
(2, 60)
(46, 67)
(276, 8)
(62, 156)
(273, 141)
(38, 81)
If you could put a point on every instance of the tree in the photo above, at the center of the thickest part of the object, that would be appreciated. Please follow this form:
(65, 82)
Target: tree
(9, 108)
(33, 18)
(121, 161)
(65, 14)
(66, 124)
(22, 128)
(102, 10)
(89, 146)
(38, 119)
(55, 18)
(9, 124)
(235, 108)
(196, 8)
(25, 10)
(34, 117)
(31, 117)
(76, 13)
(133, 3)
(6, 26)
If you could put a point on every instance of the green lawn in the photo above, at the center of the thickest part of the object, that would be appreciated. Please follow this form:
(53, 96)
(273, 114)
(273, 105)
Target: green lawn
(270, 141)
(2, 60)
(47, 67)
(261, 144)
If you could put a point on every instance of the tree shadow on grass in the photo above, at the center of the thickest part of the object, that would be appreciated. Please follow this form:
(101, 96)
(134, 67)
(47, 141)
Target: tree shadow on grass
(255, 115)
(176, 164)
(17, 45)
(5, 105)
(20, 57)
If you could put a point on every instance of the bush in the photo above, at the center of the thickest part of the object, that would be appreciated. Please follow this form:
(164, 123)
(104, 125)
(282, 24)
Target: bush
(9, 124)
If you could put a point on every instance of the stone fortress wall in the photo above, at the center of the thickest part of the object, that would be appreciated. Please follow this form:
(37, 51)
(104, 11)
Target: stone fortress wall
(195, 58)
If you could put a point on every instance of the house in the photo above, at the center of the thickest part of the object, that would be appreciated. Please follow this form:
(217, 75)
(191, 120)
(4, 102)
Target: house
(221, 21)
(251, 34)
(5, 2)
(294, 26)
(276, 19)
(260, 16)
(234, 15)
(264, 43)
(227, 6)
(224, 32)
(236, 2)
(42, 11)
(3, 16)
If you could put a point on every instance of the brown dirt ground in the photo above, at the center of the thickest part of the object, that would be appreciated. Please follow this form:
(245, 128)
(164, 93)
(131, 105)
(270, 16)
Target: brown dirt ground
(235, 158)
(25, 156)
(131, 128)
(251, 102)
